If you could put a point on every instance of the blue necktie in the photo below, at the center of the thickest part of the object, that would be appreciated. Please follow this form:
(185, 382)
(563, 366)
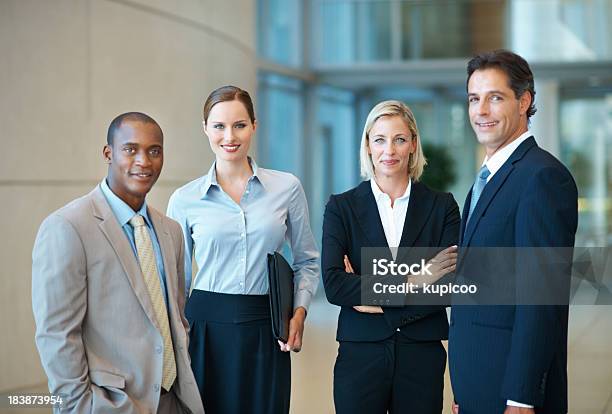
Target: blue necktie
(479, 185)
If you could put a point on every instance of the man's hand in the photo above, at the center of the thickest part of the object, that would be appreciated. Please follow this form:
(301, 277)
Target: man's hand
(455, 408)
(348, 268)
(440, 265)
(368, 309)
(296, 330)
(518, 410)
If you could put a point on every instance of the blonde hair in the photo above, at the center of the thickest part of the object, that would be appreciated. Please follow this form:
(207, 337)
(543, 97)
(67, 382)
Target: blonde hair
(417, 160)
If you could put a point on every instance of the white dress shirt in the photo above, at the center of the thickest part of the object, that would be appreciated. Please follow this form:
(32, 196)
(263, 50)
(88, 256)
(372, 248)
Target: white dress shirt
(494, 164)
(392, 217)
(500, 157)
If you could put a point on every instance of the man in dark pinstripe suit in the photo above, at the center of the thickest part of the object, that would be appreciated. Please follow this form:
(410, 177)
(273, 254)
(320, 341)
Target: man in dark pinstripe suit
(511, 359)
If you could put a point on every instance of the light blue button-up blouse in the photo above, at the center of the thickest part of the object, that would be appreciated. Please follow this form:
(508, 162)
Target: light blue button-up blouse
(230, 241)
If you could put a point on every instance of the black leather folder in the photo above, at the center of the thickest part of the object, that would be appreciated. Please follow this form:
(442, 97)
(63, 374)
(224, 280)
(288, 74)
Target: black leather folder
(280, 277)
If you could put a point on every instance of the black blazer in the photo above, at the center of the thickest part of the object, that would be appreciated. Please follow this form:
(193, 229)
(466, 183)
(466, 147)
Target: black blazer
(351, 222)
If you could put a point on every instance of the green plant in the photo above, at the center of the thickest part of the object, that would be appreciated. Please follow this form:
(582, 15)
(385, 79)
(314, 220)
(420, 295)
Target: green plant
(439, 172)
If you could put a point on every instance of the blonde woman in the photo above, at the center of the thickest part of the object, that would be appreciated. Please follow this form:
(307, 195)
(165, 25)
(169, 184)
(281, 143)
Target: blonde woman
(389, 359)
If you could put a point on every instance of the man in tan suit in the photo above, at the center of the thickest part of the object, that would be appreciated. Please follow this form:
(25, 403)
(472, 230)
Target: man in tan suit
(108, 289)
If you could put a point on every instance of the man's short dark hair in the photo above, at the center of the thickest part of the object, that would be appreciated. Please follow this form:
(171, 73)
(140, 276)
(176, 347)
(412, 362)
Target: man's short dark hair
(129, 116)
(518, 71)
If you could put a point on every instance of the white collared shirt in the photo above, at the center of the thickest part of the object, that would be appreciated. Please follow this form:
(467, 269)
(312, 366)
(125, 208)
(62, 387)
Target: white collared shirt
(500, 157)
(392, 218)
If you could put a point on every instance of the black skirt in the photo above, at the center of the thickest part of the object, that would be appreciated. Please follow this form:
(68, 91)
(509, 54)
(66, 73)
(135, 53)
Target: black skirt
(237, 363)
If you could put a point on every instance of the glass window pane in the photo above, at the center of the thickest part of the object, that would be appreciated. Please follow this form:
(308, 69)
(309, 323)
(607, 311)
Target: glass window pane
(280, 125)
(451, 29)
(334, 151)
(334, 34)
(435, 30)
(279, 31)
(562, 30)
(350, 31)
(374, 30)
(586, 148)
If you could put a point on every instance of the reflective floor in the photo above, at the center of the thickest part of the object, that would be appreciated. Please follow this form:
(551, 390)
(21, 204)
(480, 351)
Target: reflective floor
(589, 365)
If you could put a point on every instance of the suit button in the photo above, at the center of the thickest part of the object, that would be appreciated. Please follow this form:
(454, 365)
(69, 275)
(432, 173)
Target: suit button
(156, 387)
(158, 349)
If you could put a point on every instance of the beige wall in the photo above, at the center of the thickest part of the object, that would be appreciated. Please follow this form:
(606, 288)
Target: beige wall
(67, 68)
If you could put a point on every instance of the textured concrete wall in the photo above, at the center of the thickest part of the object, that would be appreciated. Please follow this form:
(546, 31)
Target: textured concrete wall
(67, 68)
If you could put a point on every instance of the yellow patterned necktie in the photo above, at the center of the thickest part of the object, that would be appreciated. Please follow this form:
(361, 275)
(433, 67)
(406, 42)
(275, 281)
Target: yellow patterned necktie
(148, 266)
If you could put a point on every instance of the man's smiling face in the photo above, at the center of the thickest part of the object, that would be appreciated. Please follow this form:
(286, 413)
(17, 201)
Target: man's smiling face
(497, 116)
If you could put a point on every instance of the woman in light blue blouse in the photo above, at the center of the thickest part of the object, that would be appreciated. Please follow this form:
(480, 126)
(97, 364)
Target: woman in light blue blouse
(232, 217)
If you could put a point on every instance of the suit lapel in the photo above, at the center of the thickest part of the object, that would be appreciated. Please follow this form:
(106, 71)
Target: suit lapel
(366, 210)
(485, 199)
(417, 214)
(167, 250)
(464, 215)
(491, 189)
(121, 245)
(419, 209)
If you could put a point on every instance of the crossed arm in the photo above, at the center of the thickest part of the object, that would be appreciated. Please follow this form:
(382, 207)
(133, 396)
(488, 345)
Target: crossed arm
(343, 287)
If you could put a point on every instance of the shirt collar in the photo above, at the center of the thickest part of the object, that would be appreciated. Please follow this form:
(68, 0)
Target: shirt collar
(378, 192)
(256, 173)
(500, 157)
(120, 209)
(210, 178)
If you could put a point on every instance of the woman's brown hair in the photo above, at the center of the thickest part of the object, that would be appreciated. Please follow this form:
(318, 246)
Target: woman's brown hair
(228, 93)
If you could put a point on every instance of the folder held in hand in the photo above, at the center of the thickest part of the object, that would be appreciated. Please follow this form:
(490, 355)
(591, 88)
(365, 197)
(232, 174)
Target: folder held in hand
(280, 277)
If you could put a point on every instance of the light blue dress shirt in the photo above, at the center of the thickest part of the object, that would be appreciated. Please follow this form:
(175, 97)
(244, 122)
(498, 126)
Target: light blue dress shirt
(124, 213)
(231, 241)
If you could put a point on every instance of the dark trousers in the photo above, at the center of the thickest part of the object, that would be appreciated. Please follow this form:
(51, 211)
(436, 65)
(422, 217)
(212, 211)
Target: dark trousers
(396, 375)
(237, 363)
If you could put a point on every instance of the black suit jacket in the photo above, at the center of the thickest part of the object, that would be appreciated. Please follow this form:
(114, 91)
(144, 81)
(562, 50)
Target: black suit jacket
(519, 353)
(351, 222)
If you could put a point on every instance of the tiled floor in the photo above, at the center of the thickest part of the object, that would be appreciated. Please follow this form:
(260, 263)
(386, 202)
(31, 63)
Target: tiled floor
(589, 365)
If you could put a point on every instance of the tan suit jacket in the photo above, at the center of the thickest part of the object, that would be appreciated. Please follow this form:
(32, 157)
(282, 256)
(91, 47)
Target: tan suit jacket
(96, 331)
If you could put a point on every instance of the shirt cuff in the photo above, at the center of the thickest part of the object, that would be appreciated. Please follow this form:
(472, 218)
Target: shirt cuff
(518, 404)
(302, 298)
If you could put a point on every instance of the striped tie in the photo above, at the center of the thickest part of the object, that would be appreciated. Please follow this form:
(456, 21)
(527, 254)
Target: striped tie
(479, 185)
(148, 266)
